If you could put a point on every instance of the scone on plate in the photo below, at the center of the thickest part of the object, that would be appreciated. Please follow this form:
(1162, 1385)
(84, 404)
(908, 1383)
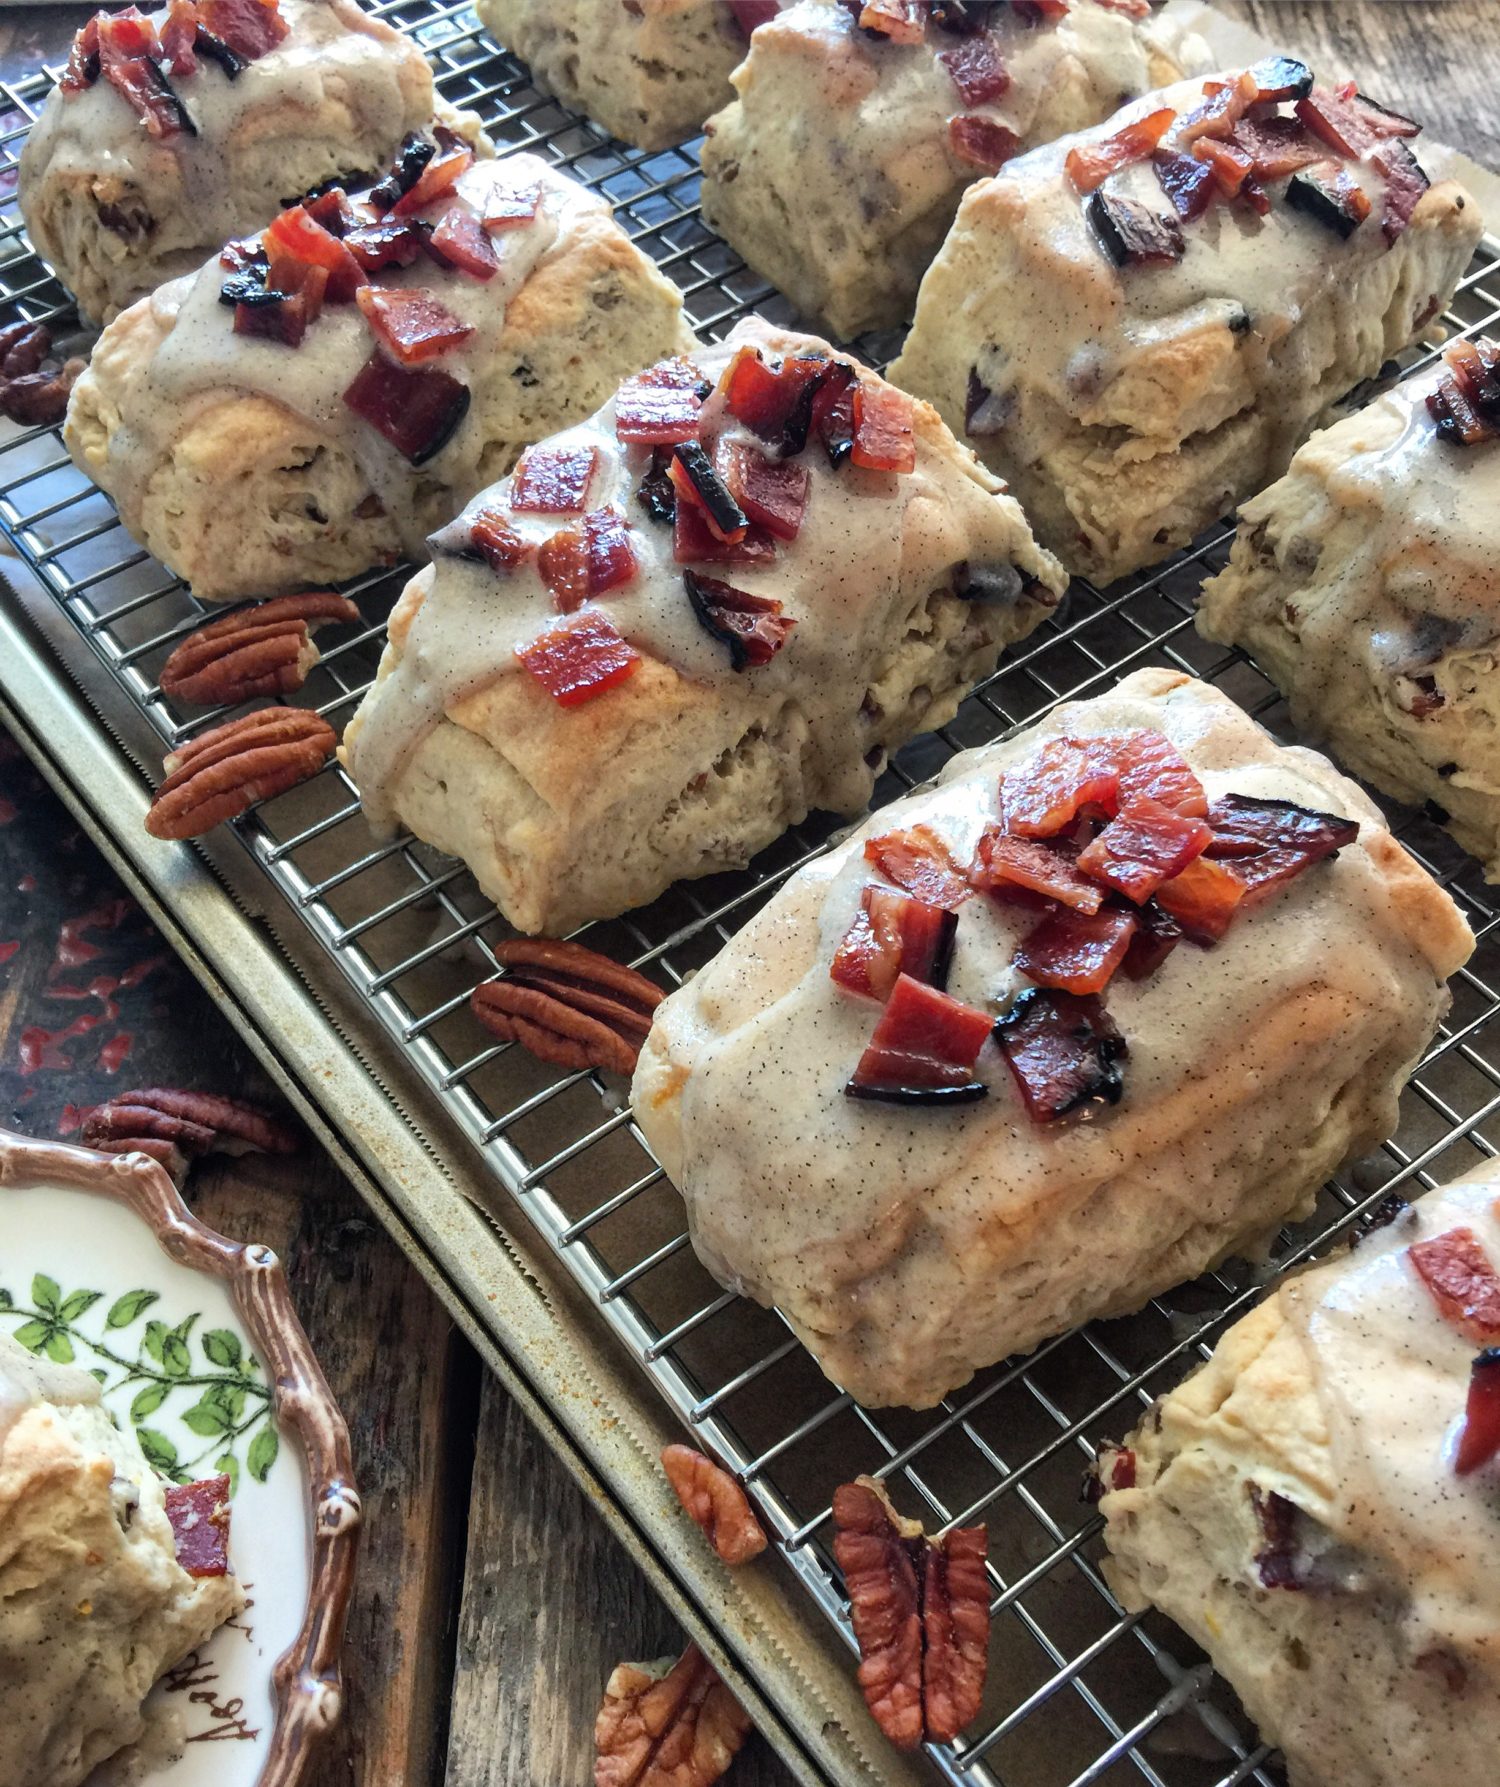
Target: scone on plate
(94, 1603)
(838, 168)
(680, 626)
(1366, 584)
(171, 132)
(1319, 1506)
(1102, 1007)
(317, 399)
(649, 71)
(1138, 325)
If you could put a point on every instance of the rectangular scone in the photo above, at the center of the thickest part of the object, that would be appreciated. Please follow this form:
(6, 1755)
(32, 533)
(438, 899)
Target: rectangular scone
(317, 399)
(1137, 325)
(1319, 1505)
(987, 1071)
(682, 625)
(1366, 584)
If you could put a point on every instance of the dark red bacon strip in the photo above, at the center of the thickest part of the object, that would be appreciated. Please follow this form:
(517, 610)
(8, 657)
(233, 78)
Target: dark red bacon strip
(199, 1517)
(579, 660)
(1457, 1271)
(1090, 163)
(1203, 899)
(1035, 865)
(416, 410)
(1045, 793)
(1466, 404)
(590, 558)
(553, 480)
(412, 323)
(980, 142)
(498, 542)
(977, 70)
(891, 934)
(1063, 1051)
(753, 627)
(660, 406)
(918, 860)
(694, 542)
(460, 241)
(923, 1050)
(1146, 844)
(1479, 1439)
(772, 492)
(1268, 842)
(1077, 952)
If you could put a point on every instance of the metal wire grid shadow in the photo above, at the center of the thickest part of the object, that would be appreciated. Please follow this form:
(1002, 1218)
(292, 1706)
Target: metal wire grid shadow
(1079, 1692)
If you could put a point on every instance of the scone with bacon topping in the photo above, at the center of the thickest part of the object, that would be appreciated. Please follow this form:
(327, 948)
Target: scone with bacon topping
(1366, 584)
(1138, 325)
(1102, 1007)
(316, 399)
(680, 626)
(171, 131)
(1319, 1505)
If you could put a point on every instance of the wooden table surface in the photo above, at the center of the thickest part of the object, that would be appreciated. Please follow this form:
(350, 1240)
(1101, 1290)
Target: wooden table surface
(492, 1602)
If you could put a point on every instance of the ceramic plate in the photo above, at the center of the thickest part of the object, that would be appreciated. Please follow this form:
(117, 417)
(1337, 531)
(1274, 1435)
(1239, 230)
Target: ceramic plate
(195, 1344)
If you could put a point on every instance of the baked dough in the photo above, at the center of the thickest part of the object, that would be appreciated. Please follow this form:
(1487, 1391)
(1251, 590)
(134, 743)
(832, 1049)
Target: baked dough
(833, 172)
(908, 1246)
(117, 211)
(236, 461)
(1131, 407)
(567, 814)
(648, 71)
(1366, 584)
(1340, 1394)
(93, 1603)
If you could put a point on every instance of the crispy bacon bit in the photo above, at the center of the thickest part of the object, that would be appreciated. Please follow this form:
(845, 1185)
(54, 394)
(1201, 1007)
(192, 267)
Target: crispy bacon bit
(1466, 404)
(553, 480)
(1276, 146)
(461, 241)
(1404, 185)
(251, 28)
(508, 210)
(1278, 1559)
(282, 309)
(833, 412)
(655, 492)
(923, 1049)
(411, 160)
(1187, 182)
(1152, 768)
(393, 242)
(753, 627)
(411, 322)
(977, 70)
(1225, 103)
(1230, 164)
(436, 179)
(699, 486)
(1479, 1440)
(83, 58)
(1280, 77)
(772, 492)
(1131, 234)
(128, 48)
(1145, 844)
(898, 20)
(417, 411)
(776, 402)
(331, 208)
(883, 439)
(1267, 842)
(1045, 793)
(1464, 1285)
(1001, 863)
(980, 142)
(918, 860)
(1091, 163)
(216, 50)
(892, 934)
(179, 30)
(660, 405)
(1336, 121)
(502, 547)
(199, 1517)
(695, 543)
(298, 236)
(1063, 1050)
(1203, 899)
(593, 556)
(1157, 934)
(1077, 952)
(579, 660)
(1326, 191)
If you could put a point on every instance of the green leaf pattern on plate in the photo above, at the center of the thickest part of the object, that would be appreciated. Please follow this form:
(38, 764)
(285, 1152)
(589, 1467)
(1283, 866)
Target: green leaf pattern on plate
(207, 1381)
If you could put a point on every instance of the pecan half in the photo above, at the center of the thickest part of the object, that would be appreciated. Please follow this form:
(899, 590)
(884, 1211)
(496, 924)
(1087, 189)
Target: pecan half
(37, 397)
(174, 1126)
(263, 650)
(662, 1726)
(921, 1614)
(716, 1502)
(228, 768)
(568, 1005)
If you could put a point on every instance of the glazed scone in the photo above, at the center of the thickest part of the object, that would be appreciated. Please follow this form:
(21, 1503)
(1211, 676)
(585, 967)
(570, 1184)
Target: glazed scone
(1366, 584)
(237, 458)
(648, 71)
(1316, 1508)
(838, 168)
(738, 686)
(919, 1224)
(1129, 406)
(94, 1605)
(118, 208)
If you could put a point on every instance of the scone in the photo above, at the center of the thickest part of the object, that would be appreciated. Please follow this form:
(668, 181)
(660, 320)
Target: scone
(170, 134)
(987, 1071)
(94, 1604)
(649, 71)
(1366, 584)
(678, 628)
(265, 427)
(838, 168)
(1135, 349)
(1319, 1506)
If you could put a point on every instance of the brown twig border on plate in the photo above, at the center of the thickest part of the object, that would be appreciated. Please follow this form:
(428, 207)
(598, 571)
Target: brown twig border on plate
(306, 1676)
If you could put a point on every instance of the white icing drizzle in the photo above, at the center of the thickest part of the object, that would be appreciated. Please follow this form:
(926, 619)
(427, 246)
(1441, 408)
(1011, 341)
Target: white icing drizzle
(27, 1381)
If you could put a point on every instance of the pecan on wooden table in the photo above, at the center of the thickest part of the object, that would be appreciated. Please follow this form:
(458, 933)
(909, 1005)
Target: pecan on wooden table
(667, 1725)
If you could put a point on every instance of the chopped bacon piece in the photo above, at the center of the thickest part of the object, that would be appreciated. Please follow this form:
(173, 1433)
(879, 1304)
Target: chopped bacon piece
(1145, 844)
(1326, 191)
(1203, 899)
(748, 14)
(417, 411)
(698, 485)
(435, 179)
(587, 559)
(1280, 77)
(1002, 862)
(1063, 1050)
(1231, 166)
(128, 48)
(1037, 12)
(1157, 934)
(695, 543)
(770, 491)
(1187, 182)
(1076, 951)
(923, 1049)
(179, 32)
(1379, 119)
(1045, 793)
(290, 301)
(460, 241)
(579, 660)
(1479, 1440)
(413, 323)
(918, 860)
(553, 480)
(833, 412)
(1132, 234)
(1267, 842)
(1276, 146)
(502, 546)
(753, 627)
(1253, 194)
(1334, 121)
(301, 237)
(392, 242)
(199, 1517)
(980, 142)
(332, 210)
(249, 27)
(508, 210)
(1404, 185)
(892, 934)
(977, 70)
(1152, 767)
(883, 439)
(1225, 103)
(776, 402)
(1466, 404)
(83, 58)
(1091, 163)
(660, 406)
(1463, 1282)
(898, 20)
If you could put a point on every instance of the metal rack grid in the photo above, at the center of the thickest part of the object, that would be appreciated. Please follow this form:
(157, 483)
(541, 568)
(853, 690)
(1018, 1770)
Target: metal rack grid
(1079, 1692)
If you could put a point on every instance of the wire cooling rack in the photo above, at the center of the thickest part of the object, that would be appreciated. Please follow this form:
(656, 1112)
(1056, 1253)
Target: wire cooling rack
(1079, 1692)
